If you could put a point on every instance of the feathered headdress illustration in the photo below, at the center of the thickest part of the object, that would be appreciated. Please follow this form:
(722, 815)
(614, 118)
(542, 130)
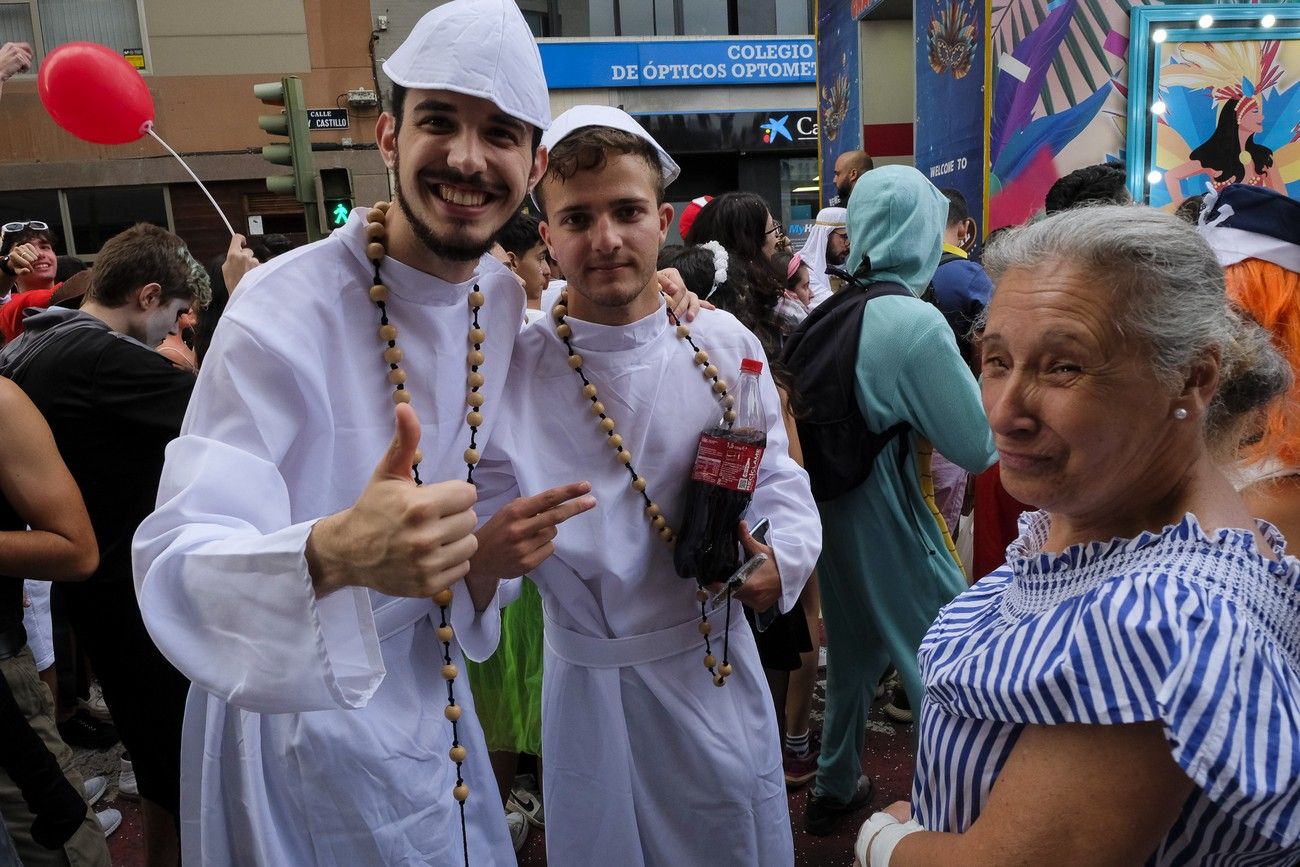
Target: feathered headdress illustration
(1241, 70)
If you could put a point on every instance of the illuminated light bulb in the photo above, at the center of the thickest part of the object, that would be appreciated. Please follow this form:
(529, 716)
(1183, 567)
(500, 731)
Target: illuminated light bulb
(1153, 177)
(1158, 107)
(1205, 21)
(1160, 35)
(1268, 20)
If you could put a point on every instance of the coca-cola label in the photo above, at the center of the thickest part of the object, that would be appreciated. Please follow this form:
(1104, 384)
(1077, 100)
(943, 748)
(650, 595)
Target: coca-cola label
(727, 463)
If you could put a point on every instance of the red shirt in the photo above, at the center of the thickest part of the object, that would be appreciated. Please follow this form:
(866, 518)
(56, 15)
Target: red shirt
(11, 312)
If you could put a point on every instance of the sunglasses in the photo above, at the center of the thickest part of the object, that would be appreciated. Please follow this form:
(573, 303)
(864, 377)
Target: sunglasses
(20, 225)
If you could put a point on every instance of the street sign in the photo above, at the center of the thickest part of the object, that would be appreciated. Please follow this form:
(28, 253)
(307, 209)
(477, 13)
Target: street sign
(327, 118)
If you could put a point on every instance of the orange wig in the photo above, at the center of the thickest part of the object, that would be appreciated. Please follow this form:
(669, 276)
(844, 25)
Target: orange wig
(1270, 294)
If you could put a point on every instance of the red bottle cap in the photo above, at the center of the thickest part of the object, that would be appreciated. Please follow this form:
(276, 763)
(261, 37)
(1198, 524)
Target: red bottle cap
(751, 365)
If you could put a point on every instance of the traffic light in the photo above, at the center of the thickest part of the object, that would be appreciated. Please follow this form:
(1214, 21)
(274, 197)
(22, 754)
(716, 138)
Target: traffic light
(296, 152)
(335, 198)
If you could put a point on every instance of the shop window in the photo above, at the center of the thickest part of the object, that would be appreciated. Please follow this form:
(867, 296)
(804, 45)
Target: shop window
(47, 24)
(98, 213)
(799, 197)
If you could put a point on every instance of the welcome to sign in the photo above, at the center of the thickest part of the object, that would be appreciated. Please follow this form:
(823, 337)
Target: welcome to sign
(678, 63)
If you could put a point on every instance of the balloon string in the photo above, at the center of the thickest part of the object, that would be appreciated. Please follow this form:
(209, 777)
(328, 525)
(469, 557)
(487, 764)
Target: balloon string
(196, 177)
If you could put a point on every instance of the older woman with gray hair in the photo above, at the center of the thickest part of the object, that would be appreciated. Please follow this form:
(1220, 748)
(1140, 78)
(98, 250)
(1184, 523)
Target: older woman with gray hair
(1125, 689)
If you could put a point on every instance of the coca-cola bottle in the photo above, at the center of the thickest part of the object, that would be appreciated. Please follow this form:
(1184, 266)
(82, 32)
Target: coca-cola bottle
(722, 483)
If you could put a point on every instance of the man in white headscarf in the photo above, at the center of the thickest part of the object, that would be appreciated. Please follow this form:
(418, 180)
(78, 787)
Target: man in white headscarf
(289, 576)
(827, 244)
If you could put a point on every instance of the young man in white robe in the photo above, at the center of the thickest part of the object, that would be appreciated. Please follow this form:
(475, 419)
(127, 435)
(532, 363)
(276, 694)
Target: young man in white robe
(648, 762)
(287, 575)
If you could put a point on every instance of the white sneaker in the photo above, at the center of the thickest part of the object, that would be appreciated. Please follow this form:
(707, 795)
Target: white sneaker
(524, 799)
(518, 826)
(94, 789)
(126, 781)
(95, 704)
(109, 820)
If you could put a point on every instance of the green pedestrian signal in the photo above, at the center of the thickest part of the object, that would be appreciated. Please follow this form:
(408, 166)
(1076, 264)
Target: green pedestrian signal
(336, 198)
(339, 214)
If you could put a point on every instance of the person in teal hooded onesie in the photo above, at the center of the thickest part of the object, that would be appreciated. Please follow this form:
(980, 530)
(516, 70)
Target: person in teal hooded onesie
(888, 565)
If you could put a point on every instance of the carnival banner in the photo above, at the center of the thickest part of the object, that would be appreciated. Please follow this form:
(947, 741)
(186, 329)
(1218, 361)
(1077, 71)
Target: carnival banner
(838, 99)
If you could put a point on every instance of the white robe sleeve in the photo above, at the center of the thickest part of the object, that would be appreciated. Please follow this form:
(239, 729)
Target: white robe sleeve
(220, 568)
(784, 497)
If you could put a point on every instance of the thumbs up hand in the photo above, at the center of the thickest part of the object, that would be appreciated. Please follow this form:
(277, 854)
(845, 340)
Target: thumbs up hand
(398, 538)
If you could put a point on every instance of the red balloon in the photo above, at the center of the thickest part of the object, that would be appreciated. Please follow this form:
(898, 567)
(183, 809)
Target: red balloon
(95, 93)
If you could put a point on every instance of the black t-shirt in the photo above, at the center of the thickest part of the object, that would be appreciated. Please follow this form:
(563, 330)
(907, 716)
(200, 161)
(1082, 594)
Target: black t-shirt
(113, 405)
(11, 588)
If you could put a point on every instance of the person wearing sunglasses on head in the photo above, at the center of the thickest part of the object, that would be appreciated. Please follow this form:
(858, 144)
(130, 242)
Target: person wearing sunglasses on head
(28, 268)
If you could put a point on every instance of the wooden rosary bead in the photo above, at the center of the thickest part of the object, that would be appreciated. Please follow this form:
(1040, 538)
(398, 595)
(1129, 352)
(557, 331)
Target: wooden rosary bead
(624, 456)
(701, 595)
(705, 628)
(564, 330)
(457, 754)
(719, 387)
(477, 336)
(616, 441)
(652, 510)
(728, 401)
(701, 357)
(418, 458)
(392, 355)
(449, 672)
(374, 231)
(475, 358)
(397, 376)
(474, 399)
(726, 669)
(575, 361)
(471, 456)
(445, 634)
(475, 379)
(452, 712)
(460, 793)
(401, 395)
(382, 206)
(442, 599)
(559, 311)
(709, 661)
(474, 419)
(387, 332)
(659, 522)
(729, 416)
(476, 299)
(589, 391)
(379, 293)
(597, 408)
(375, 251)
(719, 680)
(711, 371)
(638, 484)
(683, 332)
(606, 424)
(667, 534)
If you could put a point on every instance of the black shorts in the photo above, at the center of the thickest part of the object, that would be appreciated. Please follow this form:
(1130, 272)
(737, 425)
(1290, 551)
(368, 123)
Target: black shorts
(781, 643)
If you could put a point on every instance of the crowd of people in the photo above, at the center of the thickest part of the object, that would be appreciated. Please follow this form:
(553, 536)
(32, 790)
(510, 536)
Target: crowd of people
(365, 550)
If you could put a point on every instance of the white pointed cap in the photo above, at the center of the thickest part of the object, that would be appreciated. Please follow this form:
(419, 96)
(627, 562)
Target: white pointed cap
(581, 116)
(479, 48)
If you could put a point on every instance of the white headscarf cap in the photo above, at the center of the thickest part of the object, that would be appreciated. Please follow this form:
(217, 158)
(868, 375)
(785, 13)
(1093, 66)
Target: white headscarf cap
(479, 48)
(607, 115)
(813, 252)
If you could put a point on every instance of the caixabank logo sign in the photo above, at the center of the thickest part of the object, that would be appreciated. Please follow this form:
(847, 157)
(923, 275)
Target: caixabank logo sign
(791, 126)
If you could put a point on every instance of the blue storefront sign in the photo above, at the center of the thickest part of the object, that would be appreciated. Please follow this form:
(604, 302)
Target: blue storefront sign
(678, 63)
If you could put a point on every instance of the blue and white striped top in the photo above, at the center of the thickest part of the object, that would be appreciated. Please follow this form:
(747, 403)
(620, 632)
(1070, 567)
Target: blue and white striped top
(1201, 633)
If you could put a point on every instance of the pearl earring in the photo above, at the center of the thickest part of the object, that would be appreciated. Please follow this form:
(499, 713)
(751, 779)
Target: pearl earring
(1180, 414)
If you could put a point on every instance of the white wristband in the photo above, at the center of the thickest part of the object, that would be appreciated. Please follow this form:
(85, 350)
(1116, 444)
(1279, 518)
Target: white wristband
(878, 837)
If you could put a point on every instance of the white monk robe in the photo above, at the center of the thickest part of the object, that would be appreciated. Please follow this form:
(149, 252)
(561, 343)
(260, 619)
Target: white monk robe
(647, 762)
(314, 731)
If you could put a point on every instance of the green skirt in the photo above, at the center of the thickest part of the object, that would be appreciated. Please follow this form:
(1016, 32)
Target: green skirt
(508, 685)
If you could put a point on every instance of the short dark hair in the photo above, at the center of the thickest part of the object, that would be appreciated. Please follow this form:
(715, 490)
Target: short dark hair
(1104, 183)
(958, 210)
(521, 234)
(270, 246)
(26, 236)
(397, 96)
(588, 149)
(145, 254)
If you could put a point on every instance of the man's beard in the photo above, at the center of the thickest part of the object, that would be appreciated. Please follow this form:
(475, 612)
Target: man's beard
(844, 192)
(460, 250)
(837, 259)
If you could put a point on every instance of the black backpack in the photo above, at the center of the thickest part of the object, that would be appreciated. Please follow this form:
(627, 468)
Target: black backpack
(839, 449)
